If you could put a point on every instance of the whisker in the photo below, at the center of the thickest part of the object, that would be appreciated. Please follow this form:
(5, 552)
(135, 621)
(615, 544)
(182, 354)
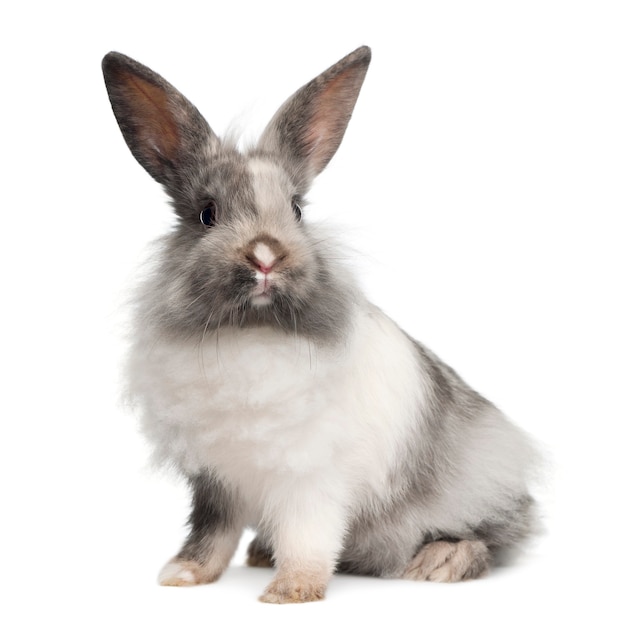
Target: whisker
(242, 317)
(217, 340)
(295, 322)
(194, 300)
(201, 344)
(277, 318)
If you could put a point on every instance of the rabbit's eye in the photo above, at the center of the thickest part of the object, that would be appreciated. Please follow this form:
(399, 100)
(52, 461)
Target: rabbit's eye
(297, 209)
(207, 215)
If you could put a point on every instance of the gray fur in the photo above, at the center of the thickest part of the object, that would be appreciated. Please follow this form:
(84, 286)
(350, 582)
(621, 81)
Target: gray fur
(207, 288)
(215, 511)
(382, 542)
(259, 553)
(164, 131)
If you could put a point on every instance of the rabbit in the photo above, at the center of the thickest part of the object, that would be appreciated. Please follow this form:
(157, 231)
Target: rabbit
(290, 403)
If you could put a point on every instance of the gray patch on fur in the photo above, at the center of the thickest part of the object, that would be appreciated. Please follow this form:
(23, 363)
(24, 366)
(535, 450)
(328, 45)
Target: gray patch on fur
(384, 536)
(259, 553)
(211, 292)
(214, 512)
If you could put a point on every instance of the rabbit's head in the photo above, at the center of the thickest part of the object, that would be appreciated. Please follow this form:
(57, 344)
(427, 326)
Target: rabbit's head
(240, 253)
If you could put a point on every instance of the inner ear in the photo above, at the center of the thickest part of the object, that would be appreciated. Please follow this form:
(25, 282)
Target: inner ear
(329, 119)
(144, 112)
(155, 126)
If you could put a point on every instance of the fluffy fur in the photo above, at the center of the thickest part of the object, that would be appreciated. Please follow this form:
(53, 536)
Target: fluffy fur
(290, 402)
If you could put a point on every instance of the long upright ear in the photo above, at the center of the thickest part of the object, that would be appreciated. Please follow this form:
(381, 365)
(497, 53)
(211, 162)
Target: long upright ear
(309, 126)
(161, 127)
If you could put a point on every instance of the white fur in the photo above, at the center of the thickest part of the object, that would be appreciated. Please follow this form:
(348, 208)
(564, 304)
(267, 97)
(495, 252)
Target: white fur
(260, 293)
(264, 254)
(173, 572)
(256, 401)
(269, 181)
(300, 431)
(308, 435)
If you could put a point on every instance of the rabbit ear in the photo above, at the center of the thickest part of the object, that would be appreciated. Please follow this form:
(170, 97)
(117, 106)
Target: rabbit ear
(309, 126)
(161, 127)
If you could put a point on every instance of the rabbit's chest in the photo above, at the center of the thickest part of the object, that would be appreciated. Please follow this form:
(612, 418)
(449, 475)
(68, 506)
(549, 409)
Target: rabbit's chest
(245, 400)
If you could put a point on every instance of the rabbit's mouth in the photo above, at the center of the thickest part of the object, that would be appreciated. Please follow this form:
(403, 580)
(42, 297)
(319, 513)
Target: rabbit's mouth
(262, 291)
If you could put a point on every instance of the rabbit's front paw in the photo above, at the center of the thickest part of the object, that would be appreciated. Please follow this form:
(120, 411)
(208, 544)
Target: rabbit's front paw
(185, 573)
(295, 588)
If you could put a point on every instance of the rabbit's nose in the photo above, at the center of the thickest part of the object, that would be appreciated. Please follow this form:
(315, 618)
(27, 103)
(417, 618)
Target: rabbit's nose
(264, 253)
(263, 260)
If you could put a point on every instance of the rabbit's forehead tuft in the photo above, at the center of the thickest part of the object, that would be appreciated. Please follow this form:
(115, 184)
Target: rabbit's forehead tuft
(271, 186)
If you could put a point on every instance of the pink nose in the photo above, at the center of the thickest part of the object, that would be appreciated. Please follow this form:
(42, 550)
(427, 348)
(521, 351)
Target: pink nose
(263, 267)
(265, 254)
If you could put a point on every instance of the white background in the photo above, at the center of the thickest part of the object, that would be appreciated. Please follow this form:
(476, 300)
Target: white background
(481, 186)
